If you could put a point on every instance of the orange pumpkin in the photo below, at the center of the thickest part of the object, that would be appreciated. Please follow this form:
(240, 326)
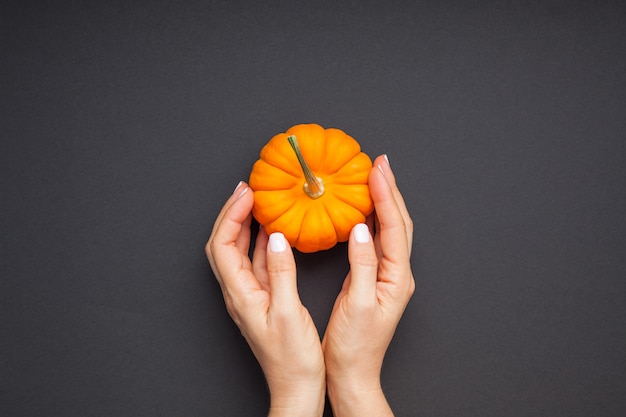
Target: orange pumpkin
(311, 184)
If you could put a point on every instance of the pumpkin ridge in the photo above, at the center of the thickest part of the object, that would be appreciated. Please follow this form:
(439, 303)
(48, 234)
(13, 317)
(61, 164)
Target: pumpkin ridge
(261, 207)
(327, 201)
(339, 148)
(306, 212)
(262, 169)
(293, 203)
(348, 162)
(352, 158)
(324, 152)
(346, 200)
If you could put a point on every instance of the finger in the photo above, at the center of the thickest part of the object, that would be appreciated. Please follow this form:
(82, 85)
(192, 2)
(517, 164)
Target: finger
(383, 162)
(239, 190)
(363, 265)
(376, 227)
(259, 259)
(243, 241)
(370, 221)
(281, 270)
(231, 235)
(393, 230)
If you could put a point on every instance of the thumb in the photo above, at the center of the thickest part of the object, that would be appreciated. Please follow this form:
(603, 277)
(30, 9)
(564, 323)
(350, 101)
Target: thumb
(281, 270)
(363, 265)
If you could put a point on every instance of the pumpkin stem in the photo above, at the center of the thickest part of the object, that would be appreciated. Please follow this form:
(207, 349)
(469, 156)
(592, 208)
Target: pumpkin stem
(313, 187)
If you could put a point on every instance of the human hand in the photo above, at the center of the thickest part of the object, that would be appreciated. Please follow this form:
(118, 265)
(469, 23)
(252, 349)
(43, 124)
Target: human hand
(370, 303)
(261, 296)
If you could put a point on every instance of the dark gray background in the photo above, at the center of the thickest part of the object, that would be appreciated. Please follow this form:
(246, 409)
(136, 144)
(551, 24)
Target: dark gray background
(124, 126)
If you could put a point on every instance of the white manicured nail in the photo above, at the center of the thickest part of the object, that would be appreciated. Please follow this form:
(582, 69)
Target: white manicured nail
(386, 159)
(278, 243)
(361, 233)
(239, 192)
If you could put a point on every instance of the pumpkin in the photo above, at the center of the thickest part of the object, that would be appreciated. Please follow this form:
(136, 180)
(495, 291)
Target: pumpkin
(310, 183)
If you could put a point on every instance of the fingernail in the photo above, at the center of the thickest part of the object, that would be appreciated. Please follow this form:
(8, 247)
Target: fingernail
(380, 168)
(239, 190)
(361, 233)
(387, 168)
(278, 243)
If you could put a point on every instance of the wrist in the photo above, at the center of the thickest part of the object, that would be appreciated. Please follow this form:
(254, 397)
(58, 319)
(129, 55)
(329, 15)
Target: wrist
(354, 378)
(298, 401)
(357, 397)
(351, 388)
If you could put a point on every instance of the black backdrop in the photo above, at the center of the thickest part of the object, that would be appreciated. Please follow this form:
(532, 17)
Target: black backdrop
(125, 125)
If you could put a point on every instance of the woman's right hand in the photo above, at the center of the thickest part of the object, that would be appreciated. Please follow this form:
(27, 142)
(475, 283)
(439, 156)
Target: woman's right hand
(261, 296)
(371, 302)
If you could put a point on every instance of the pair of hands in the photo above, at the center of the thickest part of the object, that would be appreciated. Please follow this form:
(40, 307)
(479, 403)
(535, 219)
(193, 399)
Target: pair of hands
(262, 298)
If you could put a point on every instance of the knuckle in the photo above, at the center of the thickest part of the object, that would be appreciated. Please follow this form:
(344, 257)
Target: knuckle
(284, 313)
(209, 248)
(363, 306)
(230, 306)
(238, 309)
(278, 268)
(411, 287)
(366, 259)
(408, 223)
